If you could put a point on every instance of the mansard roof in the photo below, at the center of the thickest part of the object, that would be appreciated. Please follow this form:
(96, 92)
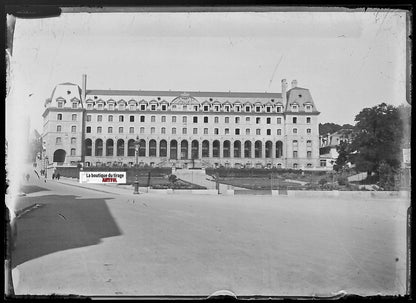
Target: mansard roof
(301, 96)
(151, 93)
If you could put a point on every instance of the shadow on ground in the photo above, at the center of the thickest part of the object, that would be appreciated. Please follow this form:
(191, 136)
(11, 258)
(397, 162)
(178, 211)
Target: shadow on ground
(62, 222)
(28, 189)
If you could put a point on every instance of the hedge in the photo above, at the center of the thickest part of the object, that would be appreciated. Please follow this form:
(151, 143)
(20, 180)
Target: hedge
(73, 172)
(257, 172)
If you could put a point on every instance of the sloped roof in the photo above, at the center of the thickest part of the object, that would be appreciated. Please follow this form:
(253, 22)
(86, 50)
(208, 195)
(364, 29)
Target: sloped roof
(301, 96)
(169, 93)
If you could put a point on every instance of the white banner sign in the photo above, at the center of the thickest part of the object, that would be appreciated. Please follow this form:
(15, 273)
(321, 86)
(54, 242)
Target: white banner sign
(102, 177)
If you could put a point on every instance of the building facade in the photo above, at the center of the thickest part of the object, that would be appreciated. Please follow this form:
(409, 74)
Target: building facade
(181, 129)
(329, 144)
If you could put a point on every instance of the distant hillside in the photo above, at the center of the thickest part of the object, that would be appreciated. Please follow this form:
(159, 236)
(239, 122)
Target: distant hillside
(330, 128)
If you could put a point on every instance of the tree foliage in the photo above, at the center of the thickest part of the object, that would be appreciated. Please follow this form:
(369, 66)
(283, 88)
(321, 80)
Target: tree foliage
(377, 138)
(343, 150)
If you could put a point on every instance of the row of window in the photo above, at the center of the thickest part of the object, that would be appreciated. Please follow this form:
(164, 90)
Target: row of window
(59, 128)
(239, 148)
(216, 146)
(59, 140)
(141, 164)
(236, 120)
(205, 108)
(216, 131)
(184, 119)
(294, 143)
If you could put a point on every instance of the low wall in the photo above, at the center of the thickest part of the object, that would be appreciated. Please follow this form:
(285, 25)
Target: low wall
(351, 194)
(323, 194)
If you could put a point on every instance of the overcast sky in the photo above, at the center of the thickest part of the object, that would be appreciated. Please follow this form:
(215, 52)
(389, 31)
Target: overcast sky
(348, 60)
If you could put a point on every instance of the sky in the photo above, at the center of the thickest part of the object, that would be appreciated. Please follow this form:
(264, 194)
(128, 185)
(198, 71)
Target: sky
(348, 60)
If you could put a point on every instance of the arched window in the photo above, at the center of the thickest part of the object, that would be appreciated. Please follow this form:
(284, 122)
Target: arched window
(173, 149)
(237, 149)
(109, 147)
(216, 148)
(226, 149)
(205, 149)
(279, 149)
(131, 150)
(120, 147)
(142, 148)
(59, 117)
(195, 149)
(163, 148)
(257, 149)
(152, 148)
(247, 149)
(268, 150)
(184, 149)
(88, 147)
(98, 148)
(59, 156)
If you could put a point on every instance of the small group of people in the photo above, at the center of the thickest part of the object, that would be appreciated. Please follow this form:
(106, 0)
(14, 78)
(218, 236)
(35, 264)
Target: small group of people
(56, 176)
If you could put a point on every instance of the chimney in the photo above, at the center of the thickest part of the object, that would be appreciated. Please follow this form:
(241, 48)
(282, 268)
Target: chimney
(294, 83)
(284, 88)
(84, 87)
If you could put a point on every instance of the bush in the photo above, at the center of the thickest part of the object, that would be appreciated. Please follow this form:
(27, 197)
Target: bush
(342, 180)
(312, 186)
(322, 182)
(387, 177)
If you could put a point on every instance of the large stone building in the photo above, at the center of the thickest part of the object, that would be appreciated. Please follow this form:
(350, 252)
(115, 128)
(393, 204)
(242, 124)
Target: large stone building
(182, 129)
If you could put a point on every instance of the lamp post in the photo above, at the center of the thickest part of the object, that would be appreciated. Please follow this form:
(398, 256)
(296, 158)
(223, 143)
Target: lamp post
(46, 167)
(136, 149)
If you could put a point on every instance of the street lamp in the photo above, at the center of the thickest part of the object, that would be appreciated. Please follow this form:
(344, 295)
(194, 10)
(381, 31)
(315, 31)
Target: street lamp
(46, 167)
(136, 150)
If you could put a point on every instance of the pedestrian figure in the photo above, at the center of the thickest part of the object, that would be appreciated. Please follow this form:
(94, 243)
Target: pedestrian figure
(58, 176)
(27, 177)
(53, 176)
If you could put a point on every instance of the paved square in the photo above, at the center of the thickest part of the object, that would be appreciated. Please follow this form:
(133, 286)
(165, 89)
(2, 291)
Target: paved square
(91, 243)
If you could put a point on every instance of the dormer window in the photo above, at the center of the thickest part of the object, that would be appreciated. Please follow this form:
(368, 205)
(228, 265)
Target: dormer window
(153, 107)
(164, 107)
(132, 107)
(227, 108)
(89, 106)
(121, 106)
(100, 106)
(174, 106)
(258, 109)
(60, 104)
(268, 109)
(279, 109)
(206, 108)
(247, 109)
(110, 106)
(217, 108)
(237, 108)
(196, 108)
(74, 105)
(295, 107)
(308, 108)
